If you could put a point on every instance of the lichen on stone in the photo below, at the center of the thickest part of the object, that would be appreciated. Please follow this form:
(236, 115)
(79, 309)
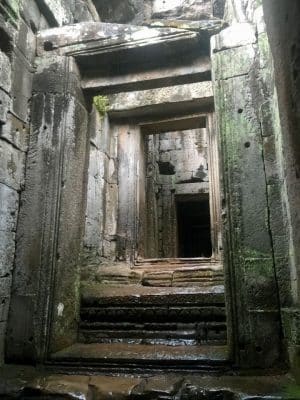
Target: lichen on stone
(101, 103)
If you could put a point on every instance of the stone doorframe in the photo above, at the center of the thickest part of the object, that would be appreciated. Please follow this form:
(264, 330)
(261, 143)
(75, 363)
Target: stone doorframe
(131, 174)
(45, 311)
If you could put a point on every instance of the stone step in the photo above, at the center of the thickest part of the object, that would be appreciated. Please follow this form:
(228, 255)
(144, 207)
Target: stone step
(202, 333)
(137, 314)
(153, 314)
(122, 355)
(158, 273)
(98, 295)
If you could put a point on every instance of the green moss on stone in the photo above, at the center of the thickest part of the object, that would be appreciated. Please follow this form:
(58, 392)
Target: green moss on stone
(101, 103)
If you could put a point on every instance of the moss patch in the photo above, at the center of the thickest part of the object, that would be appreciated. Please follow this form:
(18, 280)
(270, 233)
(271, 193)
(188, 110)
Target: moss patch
(101, 103)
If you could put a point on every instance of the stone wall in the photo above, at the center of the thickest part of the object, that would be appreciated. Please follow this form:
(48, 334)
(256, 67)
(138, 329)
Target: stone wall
(138, 12)
(102, 195)
(19, 22)
(284, 35)
(256, 211)
(177, 164)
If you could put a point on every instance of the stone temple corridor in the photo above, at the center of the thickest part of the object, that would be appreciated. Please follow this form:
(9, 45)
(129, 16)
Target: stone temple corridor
(150, 199)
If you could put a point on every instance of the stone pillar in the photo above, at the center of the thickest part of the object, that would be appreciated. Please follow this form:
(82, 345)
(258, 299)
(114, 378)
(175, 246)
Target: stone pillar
(44, 310)
(255, 245)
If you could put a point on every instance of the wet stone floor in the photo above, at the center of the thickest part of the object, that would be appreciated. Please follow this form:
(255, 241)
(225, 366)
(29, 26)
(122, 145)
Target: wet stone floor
(27, 383)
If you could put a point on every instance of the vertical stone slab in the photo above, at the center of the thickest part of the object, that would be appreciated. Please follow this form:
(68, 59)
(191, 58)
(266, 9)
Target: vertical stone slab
(44, 307)
(252, 286)
(128, 156)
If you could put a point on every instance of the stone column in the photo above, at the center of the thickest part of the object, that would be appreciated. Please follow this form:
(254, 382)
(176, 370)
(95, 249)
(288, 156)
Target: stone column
(44, 309)
(255, 250)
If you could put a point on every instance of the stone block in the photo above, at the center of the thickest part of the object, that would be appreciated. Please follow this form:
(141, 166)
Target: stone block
(2, 341)
(5, 286)
(7, 252)
(196, 69)
(5, 72)
(58, 11)
(111, 209)
(149, 101)
(165, 157)
(291, 325)
(26, 41)
(182, 177)
(31, 14)
(270, 160)
(109, 248)
(101, 38)
(4, 307)
(264, 351)
(259, 283)
(192, 188)
(99, 131)
(12, 164)
(233, 62)
(167, 145)
(22, 87)
(112, 171)
(9, 199)
(95, 199)
(182, 9)
(237, 35)
(16, 132)
(5, 106)
(56, 74)
(63, 386)
(116, 387)
(85, 11)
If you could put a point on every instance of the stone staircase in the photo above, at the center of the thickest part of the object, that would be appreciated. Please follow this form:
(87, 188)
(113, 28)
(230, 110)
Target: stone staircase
(162, 314)
(148, 315)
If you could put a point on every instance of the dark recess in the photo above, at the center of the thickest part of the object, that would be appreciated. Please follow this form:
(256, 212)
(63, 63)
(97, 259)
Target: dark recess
(194, 237)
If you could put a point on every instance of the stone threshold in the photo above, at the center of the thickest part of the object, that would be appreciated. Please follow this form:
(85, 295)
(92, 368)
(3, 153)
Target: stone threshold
(124, 356)
(21, 382)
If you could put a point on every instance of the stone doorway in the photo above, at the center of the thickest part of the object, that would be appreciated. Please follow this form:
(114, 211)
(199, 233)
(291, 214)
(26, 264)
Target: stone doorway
(181, 192)
(153, 301)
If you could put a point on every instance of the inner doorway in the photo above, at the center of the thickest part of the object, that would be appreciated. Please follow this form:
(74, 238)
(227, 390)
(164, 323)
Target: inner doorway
(179, 203)
(193, 226)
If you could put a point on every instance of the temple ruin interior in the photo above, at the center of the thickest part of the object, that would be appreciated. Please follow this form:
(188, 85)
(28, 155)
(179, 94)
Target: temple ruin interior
(150, 199)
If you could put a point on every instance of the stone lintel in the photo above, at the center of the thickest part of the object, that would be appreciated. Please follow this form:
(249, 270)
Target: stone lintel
(92, 38)
(207, 26)
(181, 98)
(198, 69)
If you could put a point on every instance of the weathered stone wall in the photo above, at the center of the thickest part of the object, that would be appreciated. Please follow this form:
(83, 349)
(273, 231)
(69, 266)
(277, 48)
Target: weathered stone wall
(138, 11)
(17, 50)
(102, 195)
(255, 219)
(176, 165)
(282, 20)
(19, 21)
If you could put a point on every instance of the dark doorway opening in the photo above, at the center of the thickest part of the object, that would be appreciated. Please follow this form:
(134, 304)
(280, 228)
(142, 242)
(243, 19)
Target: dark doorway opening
(193, 220)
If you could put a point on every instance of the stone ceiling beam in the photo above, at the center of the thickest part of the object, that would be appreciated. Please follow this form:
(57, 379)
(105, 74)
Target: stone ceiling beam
(192, 70)
(194, 97)
(95, 38)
